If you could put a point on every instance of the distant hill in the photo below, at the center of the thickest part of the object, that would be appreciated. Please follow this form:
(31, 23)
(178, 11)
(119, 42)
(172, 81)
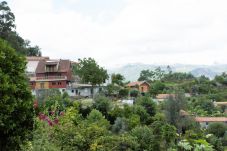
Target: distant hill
(132, 71)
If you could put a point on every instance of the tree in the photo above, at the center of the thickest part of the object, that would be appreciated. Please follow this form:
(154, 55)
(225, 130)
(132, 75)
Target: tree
(123, 92)
(115, 142)
(120, 125)
(144, 136)
(134, 93)
(103, 104)
(8, 33)
(172, 109)
(148, 104)
(16, 104)
(164, 134)
(7, 19)
(145, 75)
(117, 79)
(156, 88)
(90, 72)
(112, 89)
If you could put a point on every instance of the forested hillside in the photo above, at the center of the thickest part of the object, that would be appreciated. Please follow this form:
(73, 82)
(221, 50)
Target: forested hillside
(8, 32)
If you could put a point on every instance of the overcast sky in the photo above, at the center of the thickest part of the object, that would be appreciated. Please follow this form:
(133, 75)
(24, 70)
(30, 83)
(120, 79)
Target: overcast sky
(117, 32)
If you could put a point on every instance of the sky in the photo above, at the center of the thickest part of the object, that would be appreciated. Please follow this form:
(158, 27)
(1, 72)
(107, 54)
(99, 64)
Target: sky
(118, 32)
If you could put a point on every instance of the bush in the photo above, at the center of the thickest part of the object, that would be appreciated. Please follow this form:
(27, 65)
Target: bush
(123, 93)
(16, 102)
(103, 104)
(134, 93)
(218, 129)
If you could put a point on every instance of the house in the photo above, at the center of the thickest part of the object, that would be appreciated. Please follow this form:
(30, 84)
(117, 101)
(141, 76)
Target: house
(52, 74)
(83, 90)
(205, 121)
(141, 86)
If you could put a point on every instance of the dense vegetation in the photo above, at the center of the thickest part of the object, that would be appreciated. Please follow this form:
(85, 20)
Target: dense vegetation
(8, 33)
(54, 121)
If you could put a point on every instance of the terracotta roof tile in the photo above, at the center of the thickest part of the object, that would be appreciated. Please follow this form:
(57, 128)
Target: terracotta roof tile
(63, 65)
(220, 103)
(211, 119)
(164, 96)
(136, 83)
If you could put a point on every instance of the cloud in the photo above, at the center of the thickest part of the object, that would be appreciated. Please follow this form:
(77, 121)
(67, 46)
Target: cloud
(126, 31)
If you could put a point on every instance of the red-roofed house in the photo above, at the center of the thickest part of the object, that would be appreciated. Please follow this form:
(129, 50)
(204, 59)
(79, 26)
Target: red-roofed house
(142, 86)
(52, 74)
(204, 121)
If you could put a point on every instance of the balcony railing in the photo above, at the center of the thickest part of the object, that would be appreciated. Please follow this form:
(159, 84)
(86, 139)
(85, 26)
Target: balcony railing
(52, 78)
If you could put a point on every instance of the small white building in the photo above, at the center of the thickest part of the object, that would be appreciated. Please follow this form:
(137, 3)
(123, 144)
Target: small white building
(84, 90)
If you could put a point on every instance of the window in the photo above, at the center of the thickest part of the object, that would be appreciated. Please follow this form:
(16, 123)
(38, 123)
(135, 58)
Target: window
(59, 83)
(72, 91)
(50, 68)
(53, 83)
(42, 85)
(76, 91)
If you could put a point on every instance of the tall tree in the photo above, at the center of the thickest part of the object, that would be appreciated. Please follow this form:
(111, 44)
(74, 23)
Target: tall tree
(173, 106)
(117, 79)
(8, 33)
(16, 104)
(7, 20)
(90, 72)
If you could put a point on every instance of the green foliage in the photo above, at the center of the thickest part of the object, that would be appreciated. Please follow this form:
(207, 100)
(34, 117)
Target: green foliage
(16, 105)
(215, 142)
(197, 145)
(134, 93)
(8, 33)
(112, 90)
(117, 79)
(173, 106)
(144, 136)
(150, 75)
(90, 72)
(103, 104)
(148, 104)
(218, 129)
(178, 76)
(157, 87)
(120, 125)
(118, 143)
(96, 117)
(203, 106)
(221, 78)
(41, 138)
(164, 135)
(123, 92)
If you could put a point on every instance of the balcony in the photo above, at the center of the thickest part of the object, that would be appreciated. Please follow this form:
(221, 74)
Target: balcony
(51, 78)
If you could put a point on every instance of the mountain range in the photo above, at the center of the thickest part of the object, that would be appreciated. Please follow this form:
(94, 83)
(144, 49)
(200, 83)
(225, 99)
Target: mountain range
(131, 72)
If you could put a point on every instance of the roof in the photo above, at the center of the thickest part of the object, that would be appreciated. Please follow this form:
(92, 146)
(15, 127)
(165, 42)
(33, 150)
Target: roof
(220, 103)
(132, 84)
(82, 85)
(211, 119)
(63, 65)
(164, 96)
(184, 113)
(31, 66)
(34, 58)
